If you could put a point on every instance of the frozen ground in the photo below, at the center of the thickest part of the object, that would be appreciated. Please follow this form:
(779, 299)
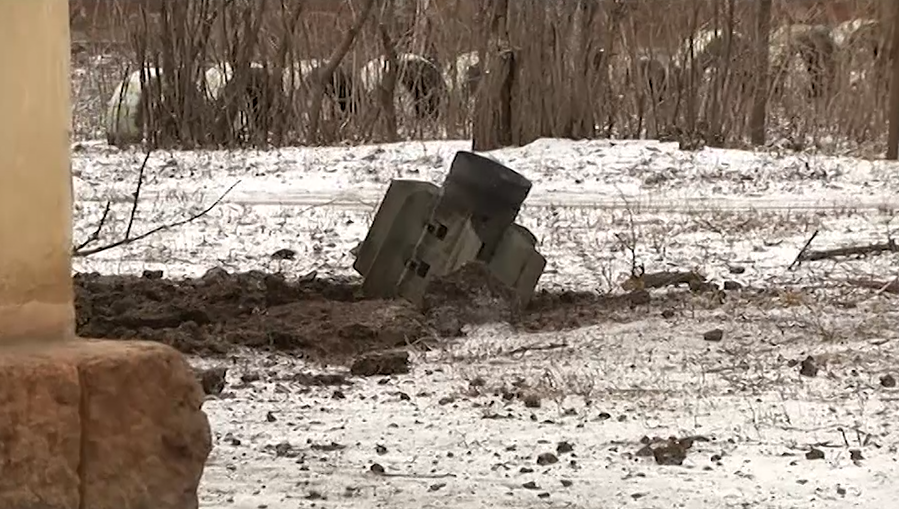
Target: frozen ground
(446, 436)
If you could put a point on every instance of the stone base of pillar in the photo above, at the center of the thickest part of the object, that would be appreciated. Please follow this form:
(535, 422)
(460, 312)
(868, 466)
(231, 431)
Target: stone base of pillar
(100, 425)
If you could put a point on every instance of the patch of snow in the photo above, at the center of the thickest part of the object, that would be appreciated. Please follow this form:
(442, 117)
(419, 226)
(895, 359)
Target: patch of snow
(604, 387)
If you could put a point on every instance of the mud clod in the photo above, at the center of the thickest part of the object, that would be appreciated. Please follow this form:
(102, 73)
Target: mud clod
(808, 367)
(218, 311)
(814, 454)
(547, 458)
(469, 296)
(714, 335)
(381, 363)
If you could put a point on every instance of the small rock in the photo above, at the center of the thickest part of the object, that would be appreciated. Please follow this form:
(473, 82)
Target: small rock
(732, 285)
(713, 335)
(446, 400)
(672, 453)
(381, 363)
(566, 483)
(547, 458)
(284, 254)
(270, 417)
(285, 450)
(314, 495)
(604, 416)
(668, 313)
(375, 468)
(530, 485)
(338, 395)
(380, 449)
(814, 454)
(841, 491)
(644, 452)
(543, 495)
(855, 455)
(564, 448)
(526, 470)
(250, 377)
(808, 367)
(435, 487)
(888, 381)
(736, 269)
(531, 400)
(152, 274)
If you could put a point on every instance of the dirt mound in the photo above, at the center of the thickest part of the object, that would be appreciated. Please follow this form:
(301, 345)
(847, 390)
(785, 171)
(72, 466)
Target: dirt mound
(211, 314)
(325, 319)
(469, 296)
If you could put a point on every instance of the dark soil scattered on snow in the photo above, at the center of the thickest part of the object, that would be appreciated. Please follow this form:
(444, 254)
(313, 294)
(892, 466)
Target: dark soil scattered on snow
(324, 319)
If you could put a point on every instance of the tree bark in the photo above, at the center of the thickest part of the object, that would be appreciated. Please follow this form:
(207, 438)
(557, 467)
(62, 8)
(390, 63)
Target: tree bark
(893, 137)
(387, 87)
(758, 118)
(492, 123)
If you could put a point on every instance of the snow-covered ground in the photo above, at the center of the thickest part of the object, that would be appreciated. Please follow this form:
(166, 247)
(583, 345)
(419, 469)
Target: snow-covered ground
(445, 435)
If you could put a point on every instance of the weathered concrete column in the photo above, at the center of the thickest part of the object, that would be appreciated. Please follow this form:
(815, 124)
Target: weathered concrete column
(35, 181)
(83, 424)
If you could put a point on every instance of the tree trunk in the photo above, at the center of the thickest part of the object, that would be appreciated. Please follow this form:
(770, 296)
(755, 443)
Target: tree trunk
(893, 138)
(492, 123)
(758, 117)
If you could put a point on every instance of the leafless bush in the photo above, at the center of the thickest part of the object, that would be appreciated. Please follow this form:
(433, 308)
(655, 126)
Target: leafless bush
(680, 70)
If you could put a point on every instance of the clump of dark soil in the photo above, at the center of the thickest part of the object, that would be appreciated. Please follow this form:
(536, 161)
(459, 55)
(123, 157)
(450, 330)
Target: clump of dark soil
(325, 319)
(214, 313)
(469, 296)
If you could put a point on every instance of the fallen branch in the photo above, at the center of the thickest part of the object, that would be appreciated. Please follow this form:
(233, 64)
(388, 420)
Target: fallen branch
(537, 348)
(168, 226)
(889, 246)
(802, 252)
(879, 286)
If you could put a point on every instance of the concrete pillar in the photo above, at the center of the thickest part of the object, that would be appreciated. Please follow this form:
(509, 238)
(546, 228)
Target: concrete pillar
(36, 302)
(80, 424)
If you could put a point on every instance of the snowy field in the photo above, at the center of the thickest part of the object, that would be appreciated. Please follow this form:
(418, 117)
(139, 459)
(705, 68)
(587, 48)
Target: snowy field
(453, 433)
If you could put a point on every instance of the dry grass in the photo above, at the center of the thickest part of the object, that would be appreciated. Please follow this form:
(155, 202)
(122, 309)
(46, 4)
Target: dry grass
(574, 69)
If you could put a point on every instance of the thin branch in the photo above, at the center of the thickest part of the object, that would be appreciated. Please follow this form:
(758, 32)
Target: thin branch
(802, 252)
(326, 73)
(136, 196)
(126, 241)
(878, 286)
(93, 237)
